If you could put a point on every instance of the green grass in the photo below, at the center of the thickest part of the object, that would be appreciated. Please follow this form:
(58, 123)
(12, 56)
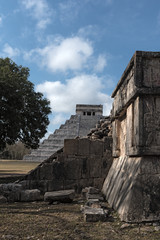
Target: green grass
(15, 167)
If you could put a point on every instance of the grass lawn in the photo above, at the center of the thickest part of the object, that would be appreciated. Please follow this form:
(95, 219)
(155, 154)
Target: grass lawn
(16, 167)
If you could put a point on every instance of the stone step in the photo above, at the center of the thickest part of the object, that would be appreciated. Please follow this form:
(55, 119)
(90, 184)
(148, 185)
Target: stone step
(65, 136)
(51, 146)
(76, 125)
(31, 158)
(53, 140)
(39, 151)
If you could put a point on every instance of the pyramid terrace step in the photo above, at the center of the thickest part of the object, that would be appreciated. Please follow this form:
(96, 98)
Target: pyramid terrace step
(76, 125)
(53, 141)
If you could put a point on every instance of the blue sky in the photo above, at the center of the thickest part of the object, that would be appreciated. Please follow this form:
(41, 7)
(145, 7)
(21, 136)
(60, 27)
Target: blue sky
(77, 50)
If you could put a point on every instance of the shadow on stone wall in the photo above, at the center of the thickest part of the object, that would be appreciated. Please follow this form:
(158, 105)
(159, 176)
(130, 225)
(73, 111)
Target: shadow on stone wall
(81, 163)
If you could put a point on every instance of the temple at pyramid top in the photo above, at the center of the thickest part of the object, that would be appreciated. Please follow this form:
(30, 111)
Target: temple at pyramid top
(89, 110)
(78, 125)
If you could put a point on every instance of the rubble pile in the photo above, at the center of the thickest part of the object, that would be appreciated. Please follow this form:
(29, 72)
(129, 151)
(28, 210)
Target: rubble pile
(103, 129)
(94, 209)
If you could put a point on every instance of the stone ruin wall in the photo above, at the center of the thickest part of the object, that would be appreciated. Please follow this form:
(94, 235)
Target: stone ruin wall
(77, 126)
(132, 186)
(81, 163)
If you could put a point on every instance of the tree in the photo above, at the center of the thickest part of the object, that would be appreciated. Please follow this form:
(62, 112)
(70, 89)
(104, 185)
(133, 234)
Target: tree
(15, 151)
(23, 112)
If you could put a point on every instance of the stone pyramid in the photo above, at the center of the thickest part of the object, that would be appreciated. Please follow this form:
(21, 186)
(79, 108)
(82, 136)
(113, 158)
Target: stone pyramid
(77, 126)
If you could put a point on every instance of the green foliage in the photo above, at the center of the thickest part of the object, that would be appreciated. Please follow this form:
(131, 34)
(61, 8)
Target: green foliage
(23, 112)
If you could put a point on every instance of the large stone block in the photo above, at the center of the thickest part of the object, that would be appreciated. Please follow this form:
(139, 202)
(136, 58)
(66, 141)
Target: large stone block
(46, 171)
(30, 195)
(72, 184)
(61, 196)
(58, 171)
(106, 163)
(84, 147)
(11, 191)
(94, 214)
(95, 166)
(55, 185)
(71, 146)
(85, 167)
(96, 148)
(132, 187)
(72, 168)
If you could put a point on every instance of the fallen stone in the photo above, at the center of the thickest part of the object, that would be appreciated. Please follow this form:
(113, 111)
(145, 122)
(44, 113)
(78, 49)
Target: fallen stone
(95, 196)
(95, 214)
(10, 187)
(3, 199)
(92, 190)
(30, 195)
(61, 196)
(11, 191)
(94, 203)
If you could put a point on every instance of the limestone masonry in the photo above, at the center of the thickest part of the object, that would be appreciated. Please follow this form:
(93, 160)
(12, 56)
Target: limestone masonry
(81, 163)
(132, 185)
(78, 125)
(120, 155)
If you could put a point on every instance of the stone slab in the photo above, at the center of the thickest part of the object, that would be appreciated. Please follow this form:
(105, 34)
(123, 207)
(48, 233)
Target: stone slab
(94, 214)
(3, 199)
(61, 196)
(11, 191)
(30, 195)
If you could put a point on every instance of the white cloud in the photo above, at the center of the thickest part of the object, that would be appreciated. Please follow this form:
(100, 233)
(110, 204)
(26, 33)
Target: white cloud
(0, 20)
(39, 10)
(83, 89)
(58, 119)
(101, 63)
(9, 51)
(63, 54)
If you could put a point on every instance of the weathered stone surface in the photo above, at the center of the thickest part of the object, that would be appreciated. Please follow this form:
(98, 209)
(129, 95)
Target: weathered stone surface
(3, 199)
(55, 185)
(84, 147)
(11, 191)
(61, 196)
(94, 196)
(95, 166)
(71, 146)
(77, 126)
(93, 190)
(94, 214)
(94, 203)
(132, 184)
(68, 169)
(30, 195)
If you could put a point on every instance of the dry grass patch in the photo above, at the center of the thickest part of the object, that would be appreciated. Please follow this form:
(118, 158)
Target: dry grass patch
(63, 222)
(16, 167)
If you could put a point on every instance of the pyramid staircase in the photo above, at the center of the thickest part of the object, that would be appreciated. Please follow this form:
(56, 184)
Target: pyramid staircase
(55, 141)
(78, 125)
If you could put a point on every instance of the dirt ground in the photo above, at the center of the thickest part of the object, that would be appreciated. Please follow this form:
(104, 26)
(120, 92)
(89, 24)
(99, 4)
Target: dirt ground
(39, 220)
